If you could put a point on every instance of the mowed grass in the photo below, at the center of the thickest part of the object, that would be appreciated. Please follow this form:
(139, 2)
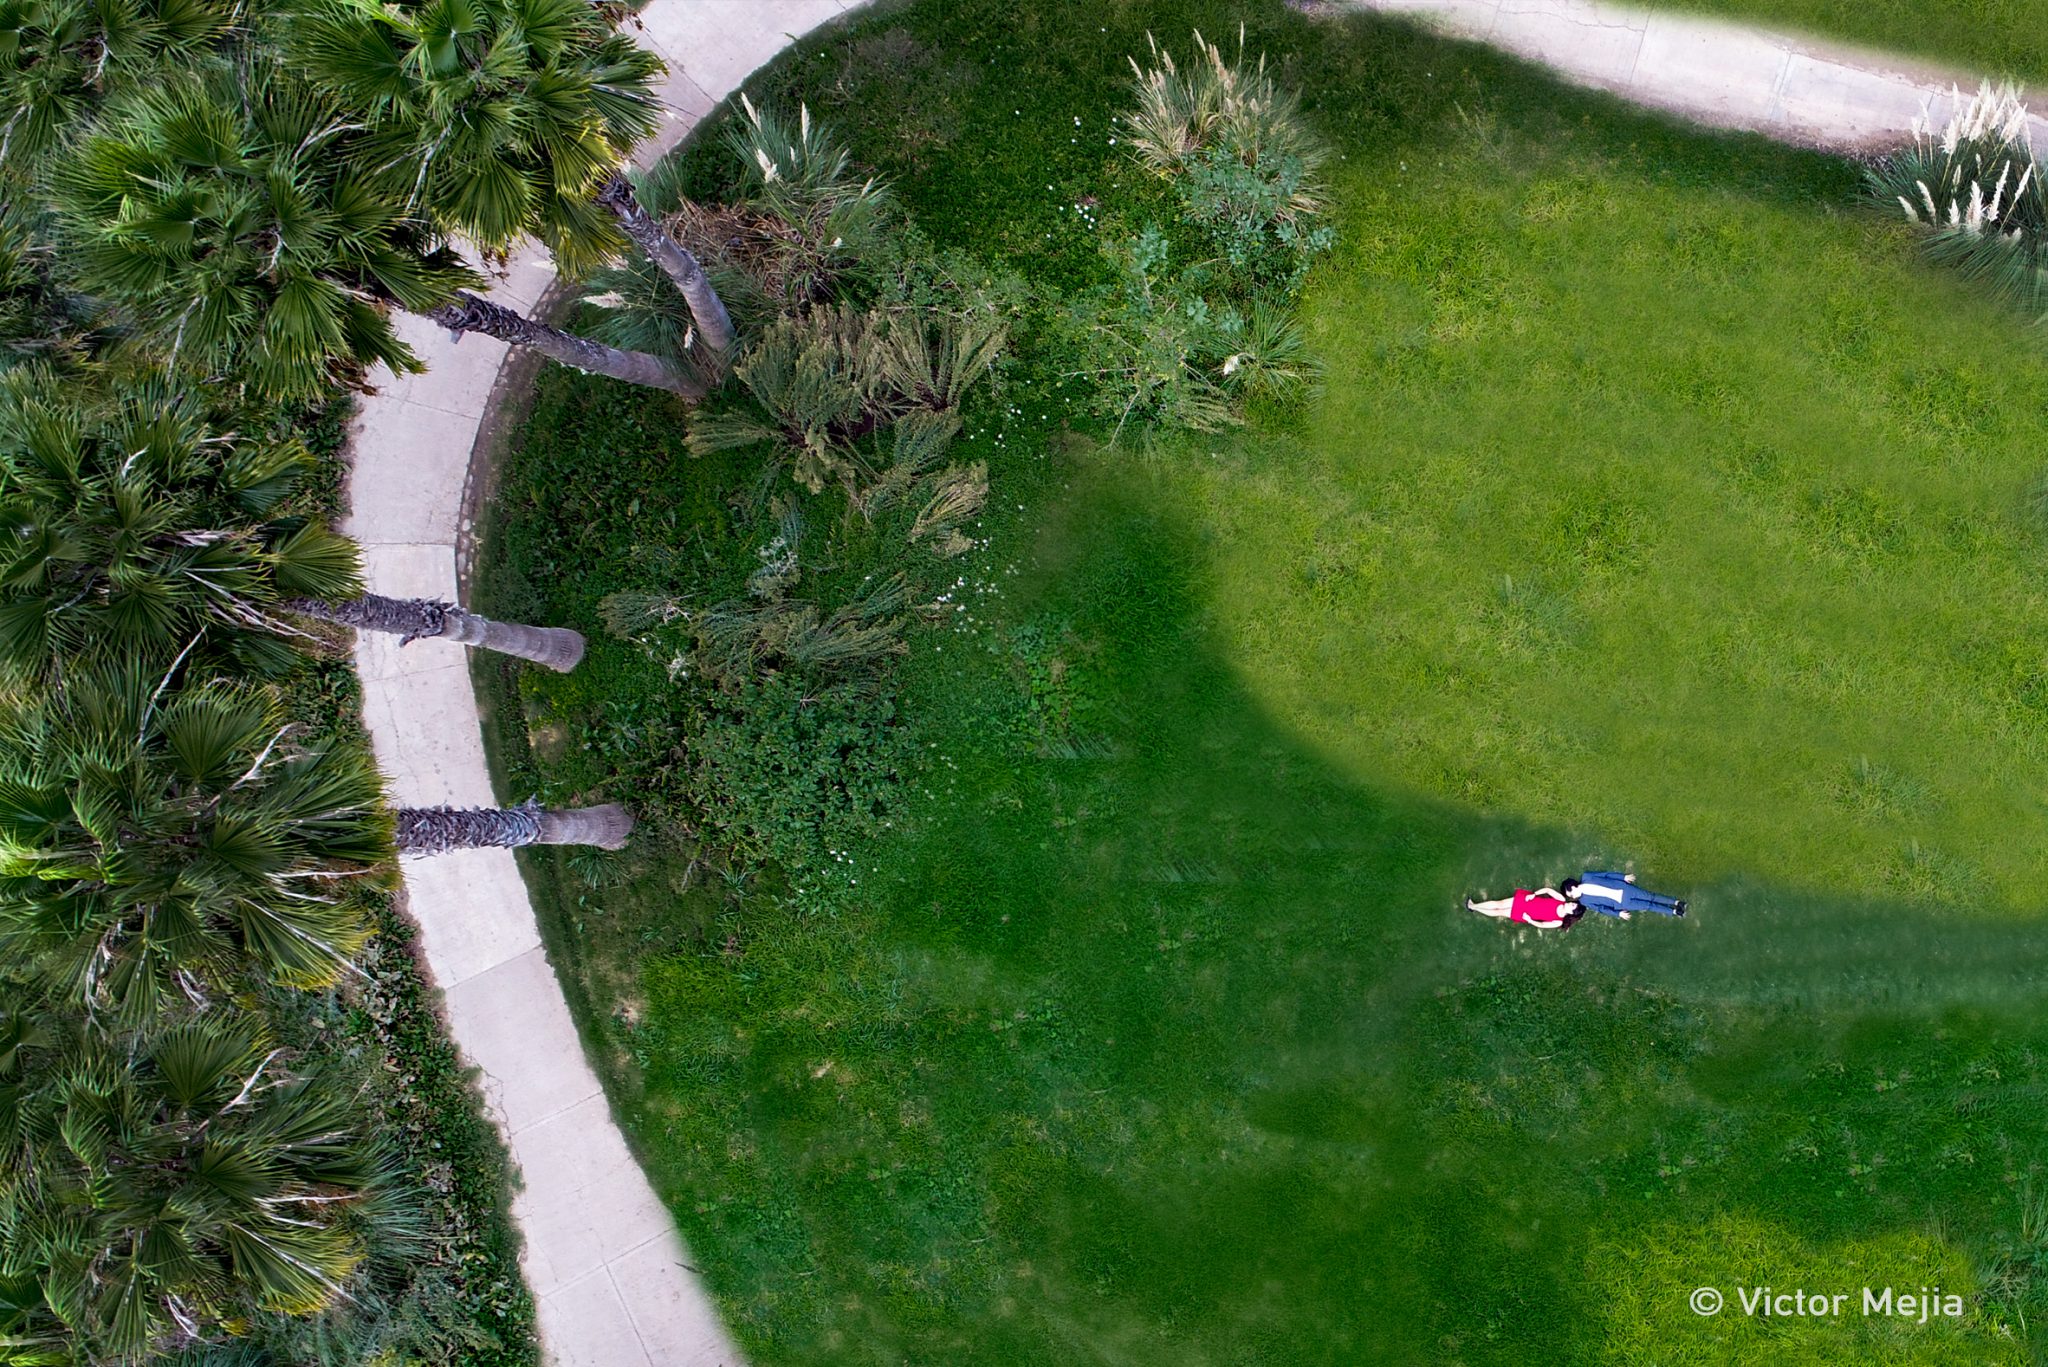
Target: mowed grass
(2004, 39)
(1700, 523)
(1657, 507)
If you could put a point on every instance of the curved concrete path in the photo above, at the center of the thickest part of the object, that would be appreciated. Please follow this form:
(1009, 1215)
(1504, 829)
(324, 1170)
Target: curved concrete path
(608, 1271)
(1792, 87)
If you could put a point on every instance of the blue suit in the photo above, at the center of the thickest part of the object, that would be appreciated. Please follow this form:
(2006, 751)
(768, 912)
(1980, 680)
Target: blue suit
(1611, 894)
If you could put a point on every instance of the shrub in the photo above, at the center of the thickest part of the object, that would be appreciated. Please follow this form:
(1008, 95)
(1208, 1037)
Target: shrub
(1160, 354)
(1242, 161)
(1977, 190)
(797, 776)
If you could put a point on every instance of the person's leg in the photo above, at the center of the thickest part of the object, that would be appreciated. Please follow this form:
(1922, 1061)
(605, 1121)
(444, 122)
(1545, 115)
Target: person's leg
(1641, 899)
(1499, 907)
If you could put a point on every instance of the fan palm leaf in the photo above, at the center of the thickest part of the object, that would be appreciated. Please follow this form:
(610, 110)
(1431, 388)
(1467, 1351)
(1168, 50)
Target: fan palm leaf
(218, 215)
(158, 1185)
(155, 838)
(497, 118)
(129, 524)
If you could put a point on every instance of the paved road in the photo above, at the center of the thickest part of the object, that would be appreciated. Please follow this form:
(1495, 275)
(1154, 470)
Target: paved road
(1793, 87)
(607, 1268)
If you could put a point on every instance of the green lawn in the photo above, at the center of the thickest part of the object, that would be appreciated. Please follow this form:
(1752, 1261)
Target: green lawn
(1658, 506)
(2006, 39)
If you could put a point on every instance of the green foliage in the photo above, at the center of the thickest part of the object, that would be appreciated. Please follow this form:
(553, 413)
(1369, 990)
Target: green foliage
(165, 1185)
(155, 840)
(1199, 318)
(500, 117)
(219, 215)
(1159, 355)
(797, 777)
(1977, 191)
(1254, 215)
(135, 524)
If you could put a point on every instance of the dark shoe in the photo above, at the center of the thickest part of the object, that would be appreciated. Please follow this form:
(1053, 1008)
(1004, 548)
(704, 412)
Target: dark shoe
(1679, 910)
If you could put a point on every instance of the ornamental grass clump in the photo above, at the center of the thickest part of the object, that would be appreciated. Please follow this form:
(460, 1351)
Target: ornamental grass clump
(1976, 189)
(1242, 160)
(1200, 318)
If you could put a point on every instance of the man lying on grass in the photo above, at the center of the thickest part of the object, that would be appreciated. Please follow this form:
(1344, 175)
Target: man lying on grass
(1616, 894)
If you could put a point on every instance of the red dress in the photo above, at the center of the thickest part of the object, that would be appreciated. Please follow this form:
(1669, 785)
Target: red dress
(1536, 911)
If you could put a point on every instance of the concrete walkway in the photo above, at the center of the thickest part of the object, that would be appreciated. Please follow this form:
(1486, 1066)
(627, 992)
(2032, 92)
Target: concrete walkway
(1795, 88)
(601, 1254)
(607, 1269)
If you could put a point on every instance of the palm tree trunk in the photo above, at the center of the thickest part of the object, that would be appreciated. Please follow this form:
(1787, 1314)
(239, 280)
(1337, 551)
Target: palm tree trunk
(437, 830)
(707, 310)
(468, 313)
(410, 619)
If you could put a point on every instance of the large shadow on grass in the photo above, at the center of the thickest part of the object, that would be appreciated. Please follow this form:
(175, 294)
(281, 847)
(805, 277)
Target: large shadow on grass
(1168, 1043)
(1163, 1040)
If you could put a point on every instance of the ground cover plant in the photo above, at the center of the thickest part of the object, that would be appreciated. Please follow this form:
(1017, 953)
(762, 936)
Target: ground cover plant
(1086, 983)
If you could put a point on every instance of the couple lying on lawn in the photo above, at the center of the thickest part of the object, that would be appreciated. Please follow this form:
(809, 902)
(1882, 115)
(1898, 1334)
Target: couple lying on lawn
(1611, 894)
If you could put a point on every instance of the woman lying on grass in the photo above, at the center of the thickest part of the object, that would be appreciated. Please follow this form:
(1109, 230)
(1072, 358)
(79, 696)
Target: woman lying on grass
(1545, 908)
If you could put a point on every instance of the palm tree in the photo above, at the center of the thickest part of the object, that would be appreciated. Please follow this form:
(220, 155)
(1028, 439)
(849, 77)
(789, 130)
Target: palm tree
(155, 840)
(59, 59)
(159, 1187)
(137, 522)
(800, 232)
(226, 220)
(412, 619)
(700, 296)
(508, 118)
(217, 215)
(438, 830)
(469, 313)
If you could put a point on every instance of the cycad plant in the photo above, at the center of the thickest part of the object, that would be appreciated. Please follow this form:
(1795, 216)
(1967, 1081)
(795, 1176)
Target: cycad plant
(159, 1187)
(218, 215)
(158, 840)
(136, 522)
(1977, 190)
(824, 382)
